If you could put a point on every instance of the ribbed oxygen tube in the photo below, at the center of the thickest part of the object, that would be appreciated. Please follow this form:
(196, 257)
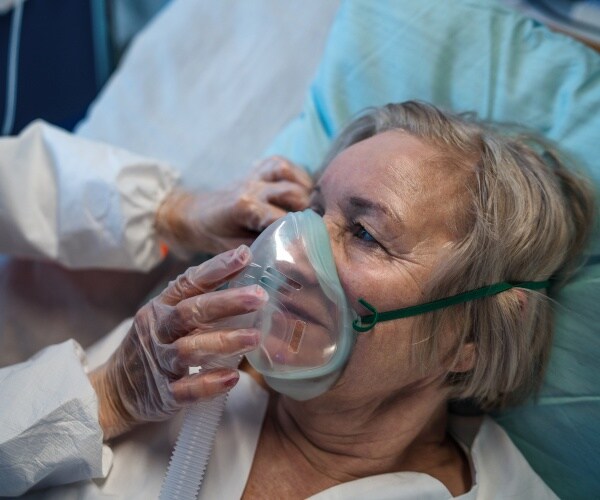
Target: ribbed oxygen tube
(194, 445)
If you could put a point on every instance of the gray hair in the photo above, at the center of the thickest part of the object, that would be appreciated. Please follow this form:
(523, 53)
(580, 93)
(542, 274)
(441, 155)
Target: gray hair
(527, 218)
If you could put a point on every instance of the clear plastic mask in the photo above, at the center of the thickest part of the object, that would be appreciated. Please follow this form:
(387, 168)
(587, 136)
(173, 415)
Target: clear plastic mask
(306, 326)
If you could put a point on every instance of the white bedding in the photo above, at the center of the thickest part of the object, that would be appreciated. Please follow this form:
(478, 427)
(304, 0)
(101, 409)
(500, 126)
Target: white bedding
(209, 84)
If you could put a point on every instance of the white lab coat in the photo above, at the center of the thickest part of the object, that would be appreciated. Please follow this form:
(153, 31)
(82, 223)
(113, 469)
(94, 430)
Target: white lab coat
(79, 202)
(140, 460)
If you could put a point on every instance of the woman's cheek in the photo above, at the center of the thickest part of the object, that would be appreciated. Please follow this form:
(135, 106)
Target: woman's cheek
(352, 279)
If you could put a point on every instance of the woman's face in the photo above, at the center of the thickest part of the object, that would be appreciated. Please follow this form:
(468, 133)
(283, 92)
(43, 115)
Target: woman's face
(389, 205)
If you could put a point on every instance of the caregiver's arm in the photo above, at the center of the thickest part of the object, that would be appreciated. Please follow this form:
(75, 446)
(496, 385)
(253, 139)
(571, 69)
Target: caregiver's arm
(53, 428)
(79, 202)
(88, 204)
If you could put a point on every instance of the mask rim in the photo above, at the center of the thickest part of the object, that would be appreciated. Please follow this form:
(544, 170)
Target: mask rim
(314, 235)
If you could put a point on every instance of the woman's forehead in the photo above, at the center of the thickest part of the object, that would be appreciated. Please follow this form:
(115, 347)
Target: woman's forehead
(391, 159)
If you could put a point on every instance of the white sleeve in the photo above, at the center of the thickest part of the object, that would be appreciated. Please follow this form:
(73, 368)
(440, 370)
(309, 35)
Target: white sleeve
(79, 202)
(49, 429)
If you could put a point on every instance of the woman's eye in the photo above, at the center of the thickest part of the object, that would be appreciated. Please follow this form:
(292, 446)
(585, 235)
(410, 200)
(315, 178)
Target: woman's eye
(362, 234)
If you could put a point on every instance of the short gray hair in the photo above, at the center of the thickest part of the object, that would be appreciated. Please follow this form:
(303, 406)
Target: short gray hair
(528, 219)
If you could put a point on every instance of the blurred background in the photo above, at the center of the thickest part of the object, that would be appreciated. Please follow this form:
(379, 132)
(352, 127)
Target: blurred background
(62, 52)
(578, 18)
(56, 56)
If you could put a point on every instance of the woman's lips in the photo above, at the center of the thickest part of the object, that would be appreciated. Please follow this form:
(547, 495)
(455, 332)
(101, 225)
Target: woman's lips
(299, 337)
(302, 313)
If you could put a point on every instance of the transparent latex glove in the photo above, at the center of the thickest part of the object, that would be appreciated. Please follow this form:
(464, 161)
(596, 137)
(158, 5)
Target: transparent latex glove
(147, 378)
(217, 221)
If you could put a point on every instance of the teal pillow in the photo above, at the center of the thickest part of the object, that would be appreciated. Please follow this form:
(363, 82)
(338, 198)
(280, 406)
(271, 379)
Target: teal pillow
(478, 55)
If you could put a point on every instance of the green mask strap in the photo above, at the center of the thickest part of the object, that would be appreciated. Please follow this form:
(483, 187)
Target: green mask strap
(365, 323)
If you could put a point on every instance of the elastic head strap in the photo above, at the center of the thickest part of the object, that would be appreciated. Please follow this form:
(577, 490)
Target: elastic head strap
(365, 323)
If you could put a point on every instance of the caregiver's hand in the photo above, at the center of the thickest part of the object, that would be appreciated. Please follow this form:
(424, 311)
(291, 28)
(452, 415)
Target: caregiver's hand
(216, 221)
(147, 377)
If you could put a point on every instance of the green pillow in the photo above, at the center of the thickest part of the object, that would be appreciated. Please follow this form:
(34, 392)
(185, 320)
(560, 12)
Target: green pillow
(481, 56)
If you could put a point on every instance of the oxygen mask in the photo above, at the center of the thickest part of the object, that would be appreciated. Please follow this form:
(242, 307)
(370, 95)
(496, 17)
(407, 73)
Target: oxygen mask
(306, 326)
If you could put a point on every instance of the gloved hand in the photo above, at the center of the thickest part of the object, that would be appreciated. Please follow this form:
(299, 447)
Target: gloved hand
(147, 378)
(217, 221)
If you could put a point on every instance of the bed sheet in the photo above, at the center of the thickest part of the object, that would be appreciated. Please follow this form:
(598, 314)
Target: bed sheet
(210, 84)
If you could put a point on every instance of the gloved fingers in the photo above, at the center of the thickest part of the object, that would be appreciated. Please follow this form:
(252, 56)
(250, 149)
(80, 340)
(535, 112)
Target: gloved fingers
(278, 168)
(201, 348)
(203, 385)
(206, 277)
(204, 312)
(255, 215)
(287, 195)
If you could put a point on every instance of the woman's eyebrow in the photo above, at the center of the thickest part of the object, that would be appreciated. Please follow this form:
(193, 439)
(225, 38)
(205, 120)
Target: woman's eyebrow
(360, 205)
(357, 205)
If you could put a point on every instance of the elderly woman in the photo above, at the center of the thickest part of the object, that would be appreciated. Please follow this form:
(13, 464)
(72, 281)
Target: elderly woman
(420, 205)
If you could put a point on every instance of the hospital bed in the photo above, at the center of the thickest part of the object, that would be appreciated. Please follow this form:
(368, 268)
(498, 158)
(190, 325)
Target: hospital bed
(207, 86)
